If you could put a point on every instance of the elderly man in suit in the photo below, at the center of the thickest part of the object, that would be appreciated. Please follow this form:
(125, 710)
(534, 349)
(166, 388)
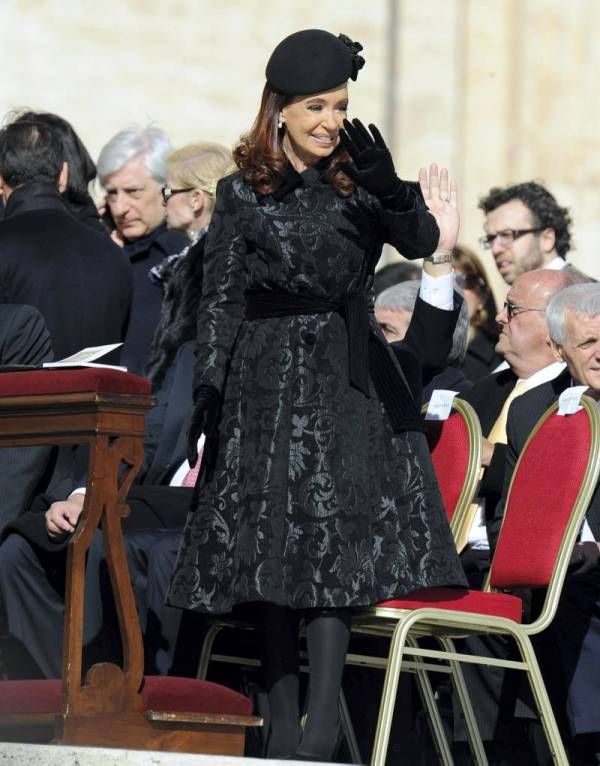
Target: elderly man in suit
(523, 342)
(569, 649)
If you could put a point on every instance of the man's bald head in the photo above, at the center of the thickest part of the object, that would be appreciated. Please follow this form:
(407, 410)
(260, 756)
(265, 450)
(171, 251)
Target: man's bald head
(524, 333)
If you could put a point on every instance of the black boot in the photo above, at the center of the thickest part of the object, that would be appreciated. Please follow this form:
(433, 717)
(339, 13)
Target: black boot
(327, 636)
(278, 631)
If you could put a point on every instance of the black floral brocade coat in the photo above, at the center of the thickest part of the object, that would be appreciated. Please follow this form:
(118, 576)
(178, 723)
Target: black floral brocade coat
(311, 500)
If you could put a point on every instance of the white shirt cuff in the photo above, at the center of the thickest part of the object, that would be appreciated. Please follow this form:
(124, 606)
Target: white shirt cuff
(438, 291)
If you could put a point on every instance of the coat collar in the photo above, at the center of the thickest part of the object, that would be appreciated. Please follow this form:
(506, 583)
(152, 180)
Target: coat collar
(292, 179)
(34, 196)
(160, 237)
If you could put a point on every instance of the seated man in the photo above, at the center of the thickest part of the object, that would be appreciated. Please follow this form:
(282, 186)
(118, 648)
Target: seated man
(569, 650)
(32, 552)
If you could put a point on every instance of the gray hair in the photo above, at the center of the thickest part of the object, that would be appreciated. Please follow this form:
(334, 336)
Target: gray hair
(402, 297)
(582, 299)
(151, 143)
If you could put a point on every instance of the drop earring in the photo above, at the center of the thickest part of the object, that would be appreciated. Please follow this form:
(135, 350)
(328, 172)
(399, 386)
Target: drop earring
(280, 122)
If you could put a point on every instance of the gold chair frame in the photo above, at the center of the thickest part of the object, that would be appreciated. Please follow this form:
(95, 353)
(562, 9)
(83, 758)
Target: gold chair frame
(405, 627)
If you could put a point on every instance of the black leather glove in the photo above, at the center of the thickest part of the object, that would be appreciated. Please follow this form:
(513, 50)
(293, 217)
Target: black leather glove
(204, 419)
(372, 164)
(584, 556)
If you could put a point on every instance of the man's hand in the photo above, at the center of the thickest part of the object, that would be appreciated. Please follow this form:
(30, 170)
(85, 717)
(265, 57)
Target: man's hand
(62, 516)
(487, 452)
(440, 196)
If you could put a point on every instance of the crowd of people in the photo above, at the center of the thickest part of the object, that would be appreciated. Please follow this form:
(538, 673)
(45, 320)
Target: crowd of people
(286, 471)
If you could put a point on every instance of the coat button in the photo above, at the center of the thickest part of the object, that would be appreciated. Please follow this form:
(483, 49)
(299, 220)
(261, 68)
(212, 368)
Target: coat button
(308, 337)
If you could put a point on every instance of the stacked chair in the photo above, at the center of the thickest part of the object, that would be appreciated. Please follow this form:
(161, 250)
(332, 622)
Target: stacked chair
(548, 496)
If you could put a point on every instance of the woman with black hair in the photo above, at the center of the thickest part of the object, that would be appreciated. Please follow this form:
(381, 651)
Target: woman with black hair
(316, 491)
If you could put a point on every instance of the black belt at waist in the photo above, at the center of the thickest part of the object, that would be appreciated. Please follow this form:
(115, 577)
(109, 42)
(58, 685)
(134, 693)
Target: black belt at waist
(367, 353)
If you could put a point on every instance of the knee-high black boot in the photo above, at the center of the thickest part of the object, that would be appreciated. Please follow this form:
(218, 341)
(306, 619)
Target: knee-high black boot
(278, 631)
(327, 636)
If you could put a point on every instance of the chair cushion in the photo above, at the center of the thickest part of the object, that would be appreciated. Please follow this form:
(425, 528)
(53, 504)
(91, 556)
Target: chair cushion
(461, 600)
(190, 695)
(31, 696)
(167, 693)
(61, 381)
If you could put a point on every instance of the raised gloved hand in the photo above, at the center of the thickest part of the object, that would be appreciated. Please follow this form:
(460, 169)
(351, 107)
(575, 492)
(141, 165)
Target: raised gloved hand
(204, 419)
(372, 165)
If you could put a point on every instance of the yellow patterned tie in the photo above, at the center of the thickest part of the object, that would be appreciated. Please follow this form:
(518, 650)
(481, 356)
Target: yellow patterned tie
(498, 432)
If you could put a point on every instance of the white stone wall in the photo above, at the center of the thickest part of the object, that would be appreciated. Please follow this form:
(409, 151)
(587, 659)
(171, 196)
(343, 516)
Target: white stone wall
(501, 90)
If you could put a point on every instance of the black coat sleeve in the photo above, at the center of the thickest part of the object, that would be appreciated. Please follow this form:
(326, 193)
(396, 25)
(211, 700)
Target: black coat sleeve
(429, 335)
(411, 229)
(222, 306)
(25, 338)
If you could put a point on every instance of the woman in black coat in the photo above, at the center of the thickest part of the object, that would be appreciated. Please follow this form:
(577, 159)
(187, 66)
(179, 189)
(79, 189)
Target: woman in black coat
(316, 492)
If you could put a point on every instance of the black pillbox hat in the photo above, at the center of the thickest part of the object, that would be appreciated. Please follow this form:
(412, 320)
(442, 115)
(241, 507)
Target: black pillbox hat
(312, 61)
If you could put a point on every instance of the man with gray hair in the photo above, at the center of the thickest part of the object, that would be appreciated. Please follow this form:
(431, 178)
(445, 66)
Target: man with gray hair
(569, 650)
(394, 309)
(131, 168)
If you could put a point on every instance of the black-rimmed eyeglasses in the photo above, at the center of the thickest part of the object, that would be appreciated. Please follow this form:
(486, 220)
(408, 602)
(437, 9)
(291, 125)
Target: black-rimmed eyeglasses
(513, 309)
(167, 192)
(506, 236)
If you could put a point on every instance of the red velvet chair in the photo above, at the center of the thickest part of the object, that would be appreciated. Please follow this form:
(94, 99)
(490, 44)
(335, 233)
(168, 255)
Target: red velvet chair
(546, 493)
(113, 706)
(455, 445)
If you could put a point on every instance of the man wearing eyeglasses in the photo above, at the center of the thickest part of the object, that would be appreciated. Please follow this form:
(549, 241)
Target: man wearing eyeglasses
(569, 649)
(524, 344)
(131, 168)
(525, 228)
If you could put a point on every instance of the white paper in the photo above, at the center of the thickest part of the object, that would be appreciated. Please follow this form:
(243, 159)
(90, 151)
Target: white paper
(568, 401)
(86, 358)
(440, 404)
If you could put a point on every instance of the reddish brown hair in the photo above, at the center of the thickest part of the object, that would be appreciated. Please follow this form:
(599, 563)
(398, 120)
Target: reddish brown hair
(260, 156)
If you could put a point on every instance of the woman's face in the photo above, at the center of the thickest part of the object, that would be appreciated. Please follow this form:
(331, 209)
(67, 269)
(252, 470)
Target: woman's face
(312, 125)
(180, 207)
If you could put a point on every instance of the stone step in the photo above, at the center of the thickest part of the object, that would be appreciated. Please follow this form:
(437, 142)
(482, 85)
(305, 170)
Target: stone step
(13, 754)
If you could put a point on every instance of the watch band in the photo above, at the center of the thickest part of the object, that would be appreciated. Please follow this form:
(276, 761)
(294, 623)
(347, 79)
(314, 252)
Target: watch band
(440, 258)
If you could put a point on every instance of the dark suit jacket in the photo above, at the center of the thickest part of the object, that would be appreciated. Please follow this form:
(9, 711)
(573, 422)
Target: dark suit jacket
(77, 277)
(481, 358)
(143, 254)
(423, 353)
(451, 379)
(24, 339)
